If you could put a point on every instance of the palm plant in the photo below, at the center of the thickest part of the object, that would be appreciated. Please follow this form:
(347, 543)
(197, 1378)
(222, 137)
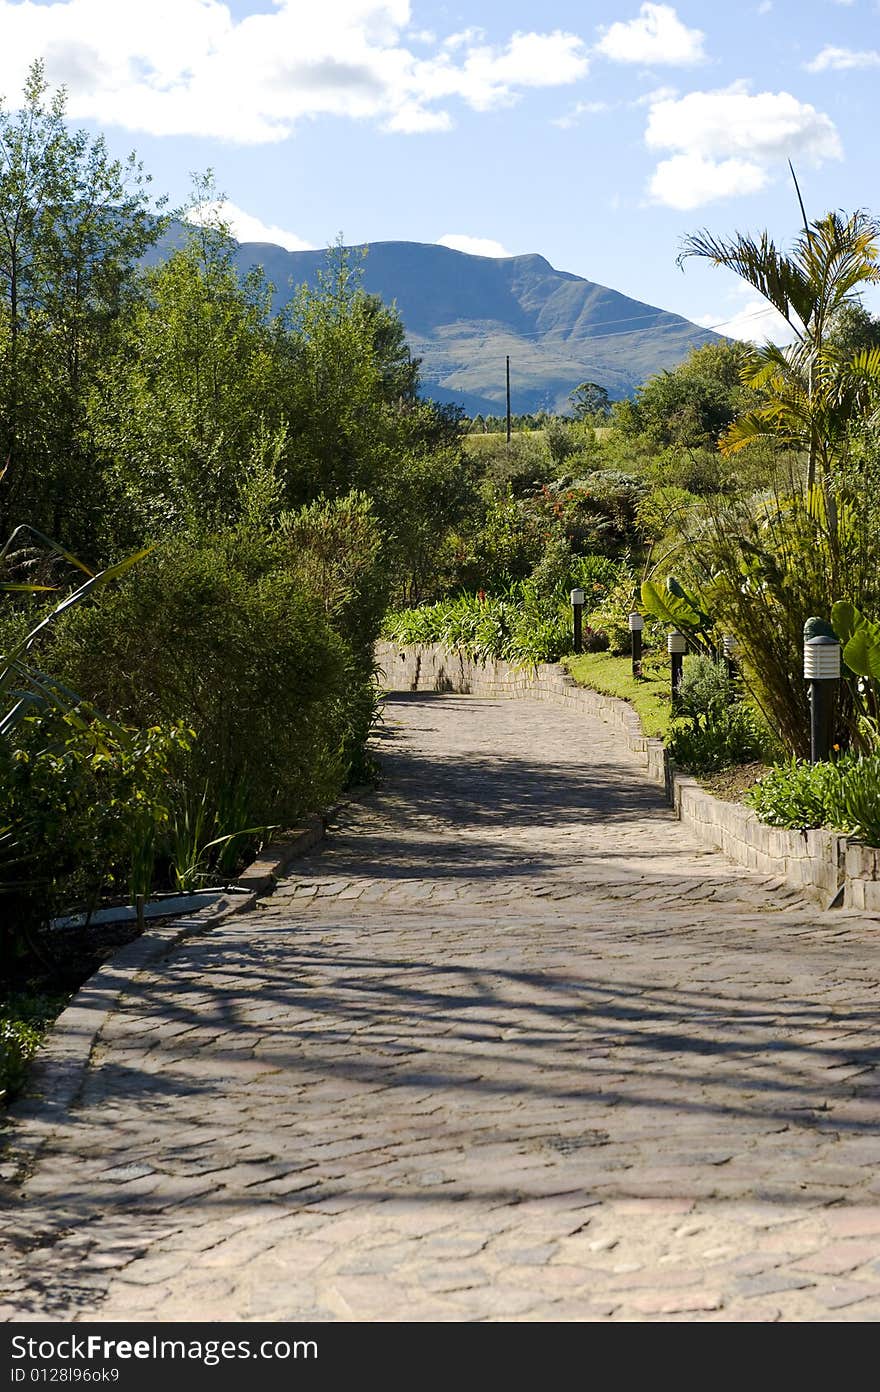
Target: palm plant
(809, 392)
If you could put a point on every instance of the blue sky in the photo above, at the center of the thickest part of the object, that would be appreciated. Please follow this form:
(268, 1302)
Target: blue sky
(595, 134)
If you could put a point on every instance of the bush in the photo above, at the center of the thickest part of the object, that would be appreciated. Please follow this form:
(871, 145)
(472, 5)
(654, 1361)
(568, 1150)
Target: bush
(514, 467)
(733, 736)
(222, 636)
(611, 614)
(524, 627)
(503, 550)
(713, 729)
(85, 803)
(844, 795)
(23, 1022)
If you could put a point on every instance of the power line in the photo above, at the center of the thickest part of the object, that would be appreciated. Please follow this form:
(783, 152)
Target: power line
(649, 328)
(487, 336)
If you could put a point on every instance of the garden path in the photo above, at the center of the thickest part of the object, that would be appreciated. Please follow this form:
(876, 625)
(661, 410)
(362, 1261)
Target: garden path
(513, 1046)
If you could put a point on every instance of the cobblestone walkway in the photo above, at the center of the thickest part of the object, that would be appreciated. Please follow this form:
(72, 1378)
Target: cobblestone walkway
(513, 1046)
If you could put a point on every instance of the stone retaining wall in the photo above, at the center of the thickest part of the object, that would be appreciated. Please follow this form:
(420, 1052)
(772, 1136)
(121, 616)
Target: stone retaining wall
(821, 863)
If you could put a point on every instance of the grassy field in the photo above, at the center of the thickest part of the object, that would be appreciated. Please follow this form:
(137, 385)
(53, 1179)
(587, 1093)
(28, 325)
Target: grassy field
(488, 442)
(612, 676)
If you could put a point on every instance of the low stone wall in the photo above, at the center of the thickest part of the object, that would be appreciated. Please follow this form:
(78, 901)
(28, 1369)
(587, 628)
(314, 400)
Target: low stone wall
(820, 863)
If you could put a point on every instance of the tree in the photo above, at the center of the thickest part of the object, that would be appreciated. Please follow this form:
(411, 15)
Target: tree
(589, 399)
(73, 224)
(691, 406)
(192, 386)
(853, 328)
(811, 390)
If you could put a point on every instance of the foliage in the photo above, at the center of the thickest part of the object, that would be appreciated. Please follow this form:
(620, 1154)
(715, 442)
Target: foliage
(21, 683)
(714, 728)
(24, 1018)
(219, 634)
(676, 607)
(610, 615)
(766, 564)
(596, 512)
(515, 467)
(844, 795)
(335, 550)
(503, 550)
(85, 803)
(589, 400)
(523, 627)
(860, 638)
(691, 406)
(809, 392)
(73, 224)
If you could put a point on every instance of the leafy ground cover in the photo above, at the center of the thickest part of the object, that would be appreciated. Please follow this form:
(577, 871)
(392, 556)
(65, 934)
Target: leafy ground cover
(24, 1018)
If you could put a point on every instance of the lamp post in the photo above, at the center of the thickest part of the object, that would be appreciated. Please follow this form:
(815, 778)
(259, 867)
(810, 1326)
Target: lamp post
(577, 611)
(821, 668)
(730, 647)
(636, 624)
(675, 646)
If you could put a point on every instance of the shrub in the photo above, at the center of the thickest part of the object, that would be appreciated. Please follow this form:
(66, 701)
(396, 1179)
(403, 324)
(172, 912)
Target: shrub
(85, 803)
(504, 549)
(713, 729)
(611, 615)
(524, 627)
(222, 636)
(732, 736)
(23, 1022)
(844, 795)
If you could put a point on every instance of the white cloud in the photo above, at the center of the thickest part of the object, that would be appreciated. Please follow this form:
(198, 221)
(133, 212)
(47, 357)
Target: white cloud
(765, 7)
(465, 37)
(659, 94)
(688, 181)
(249, 80)
(245, 227)
(474, 246)
(488, 77)
(756, 322)
(724, 143)
(841, 59)
(578, 111)
(657, 36)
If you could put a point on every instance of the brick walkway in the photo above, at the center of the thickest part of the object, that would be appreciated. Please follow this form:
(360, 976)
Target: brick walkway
(513, 1046)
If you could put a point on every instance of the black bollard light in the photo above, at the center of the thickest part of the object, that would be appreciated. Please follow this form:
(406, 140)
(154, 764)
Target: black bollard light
(577, 610)
(636, 624)
(675, 646)
(821, 670)
(731, 648)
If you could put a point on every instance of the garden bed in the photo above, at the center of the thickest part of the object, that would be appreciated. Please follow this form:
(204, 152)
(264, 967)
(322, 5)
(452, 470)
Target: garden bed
(732, 784)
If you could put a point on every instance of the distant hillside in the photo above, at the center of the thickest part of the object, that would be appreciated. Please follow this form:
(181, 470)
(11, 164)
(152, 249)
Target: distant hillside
(463, 314)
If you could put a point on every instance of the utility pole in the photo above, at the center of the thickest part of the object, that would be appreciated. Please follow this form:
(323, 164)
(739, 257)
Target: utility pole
(508, 398)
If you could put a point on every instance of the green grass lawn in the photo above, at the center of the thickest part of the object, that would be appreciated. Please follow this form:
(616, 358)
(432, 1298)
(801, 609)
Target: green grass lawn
(612, 676)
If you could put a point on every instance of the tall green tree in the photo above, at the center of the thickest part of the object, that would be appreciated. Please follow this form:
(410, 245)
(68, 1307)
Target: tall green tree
(73, 224)
(190, 390)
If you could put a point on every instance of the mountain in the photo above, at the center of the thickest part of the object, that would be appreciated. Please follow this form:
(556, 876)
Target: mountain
(464, 314)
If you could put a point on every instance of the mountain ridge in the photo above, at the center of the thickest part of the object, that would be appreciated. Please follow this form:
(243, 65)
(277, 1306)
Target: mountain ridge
(464, 314)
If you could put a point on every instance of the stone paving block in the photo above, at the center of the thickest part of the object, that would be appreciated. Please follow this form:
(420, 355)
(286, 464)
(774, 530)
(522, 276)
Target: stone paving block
(513, 1045)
